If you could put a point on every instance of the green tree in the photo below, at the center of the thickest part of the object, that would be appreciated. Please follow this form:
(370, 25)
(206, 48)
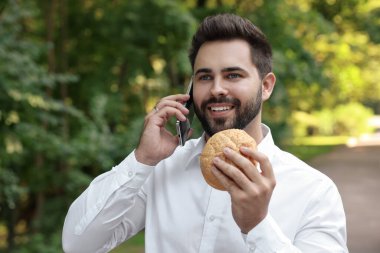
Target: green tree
(74, 81)
(33, 145)
(77, 77)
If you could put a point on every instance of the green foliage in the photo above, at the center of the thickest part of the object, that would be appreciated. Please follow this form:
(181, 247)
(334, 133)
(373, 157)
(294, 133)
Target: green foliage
(77, 78)
(42, 243)
(33, 146)
(345, 120)
(352, 119)
(10, 190)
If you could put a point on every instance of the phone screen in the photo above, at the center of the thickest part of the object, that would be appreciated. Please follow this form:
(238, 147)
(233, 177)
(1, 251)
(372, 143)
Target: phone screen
(183, 127)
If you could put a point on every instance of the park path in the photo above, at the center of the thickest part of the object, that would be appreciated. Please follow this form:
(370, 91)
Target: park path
(356, 172)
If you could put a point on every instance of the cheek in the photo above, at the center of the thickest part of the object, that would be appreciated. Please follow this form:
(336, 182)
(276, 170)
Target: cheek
(242, 93)
(199, 95)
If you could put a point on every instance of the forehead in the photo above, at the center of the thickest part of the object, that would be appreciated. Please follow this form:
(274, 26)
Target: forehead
(217, 55)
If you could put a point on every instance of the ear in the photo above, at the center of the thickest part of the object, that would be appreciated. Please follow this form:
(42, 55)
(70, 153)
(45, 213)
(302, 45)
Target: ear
(268, 85)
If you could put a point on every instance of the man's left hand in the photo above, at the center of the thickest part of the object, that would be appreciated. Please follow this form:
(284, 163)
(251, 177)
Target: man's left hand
(250, 189)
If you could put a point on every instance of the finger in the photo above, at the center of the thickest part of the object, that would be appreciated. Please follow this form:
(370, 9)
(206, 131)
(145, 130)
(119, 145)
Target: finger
(236, 175)
(171, 103)
(226, 182)
(178, 97)
(262, 159)
(246, 165)
(181, 98)
(168, 112)
(152, 112)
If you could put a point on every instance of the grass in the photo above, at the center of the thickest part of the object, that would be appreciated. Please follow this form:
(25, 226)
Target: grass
(306, 148)
(133, 245)
(306, 152)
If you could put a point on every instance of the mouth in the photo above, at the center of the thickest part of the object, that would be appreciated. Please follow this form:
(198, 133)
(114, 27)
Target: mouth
(218, 110)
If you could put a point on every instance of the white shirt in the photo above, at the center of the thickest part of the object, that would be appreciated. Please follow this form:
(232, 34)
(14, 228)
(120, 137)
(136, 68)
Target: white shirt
(181, 213)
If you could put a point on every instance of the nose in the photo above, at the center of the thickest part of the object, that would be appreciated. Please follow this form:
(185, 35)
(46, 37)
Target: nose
(218, 89)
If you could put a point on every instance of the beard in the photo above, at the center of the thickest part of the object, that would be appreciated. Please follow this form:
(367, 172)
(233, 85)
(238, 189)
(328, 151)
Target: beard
(243, 114)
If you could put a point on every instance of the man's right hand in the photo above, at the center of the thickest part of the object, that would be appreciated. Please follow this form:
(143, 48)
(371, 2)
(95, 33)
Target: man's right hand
(156, 142)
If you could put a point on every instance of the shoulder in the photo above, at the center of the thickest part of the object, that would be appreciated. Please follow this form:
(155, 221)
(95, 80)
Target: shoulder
(305, 187)
(290, 168)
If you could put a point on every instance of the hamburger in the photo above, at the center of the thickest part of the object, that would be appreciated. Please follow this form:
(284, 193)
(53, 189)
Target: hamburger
(231, 138)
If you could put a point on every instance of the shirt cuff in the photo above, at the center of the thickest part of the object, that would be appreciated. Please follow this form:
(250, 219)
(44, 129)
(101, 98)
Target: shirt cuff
(266, 237)
(131, 168)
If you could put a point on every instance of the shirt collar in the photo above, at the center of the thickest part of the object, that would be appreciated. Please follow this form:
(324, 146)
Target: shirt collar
(267, 145)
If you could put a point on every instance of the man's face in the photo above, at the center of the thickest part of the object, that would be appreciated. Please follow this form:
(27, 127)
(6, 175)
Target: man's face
(227, 86)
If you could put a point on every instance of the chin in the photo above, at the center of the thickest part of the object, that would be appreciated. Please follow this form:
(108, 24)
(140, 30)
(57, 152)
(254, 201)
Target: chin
(220, 127)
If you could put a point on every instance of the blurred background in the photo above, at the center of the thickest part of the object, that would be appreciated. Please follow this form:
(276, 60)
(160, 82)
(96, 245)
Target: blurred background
(78, 76)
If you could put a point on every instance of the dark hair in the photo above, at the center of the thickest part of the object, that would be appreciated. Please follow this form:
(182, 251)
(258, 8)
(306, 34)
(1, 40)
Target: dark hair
(229, 27)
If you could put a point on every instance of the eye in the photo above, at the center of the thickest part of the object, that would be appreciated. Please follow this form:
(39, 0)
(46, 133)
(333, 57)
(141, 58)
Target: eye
(205, 77)
(233, 76)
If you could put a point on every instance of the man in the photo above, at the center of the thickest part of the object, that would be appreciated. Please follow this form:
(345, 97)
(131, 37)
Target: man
(288, 207)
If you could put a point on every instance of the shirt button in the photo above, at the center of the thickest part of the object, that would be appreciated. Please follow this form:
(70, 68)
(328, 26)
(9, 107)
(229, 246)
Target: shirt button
(130, 174)
(211, 218)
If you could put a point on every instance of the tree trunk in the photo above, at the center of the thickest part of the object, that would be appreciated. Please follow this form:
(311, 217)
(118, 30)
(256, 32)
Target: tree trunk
(173, 74)
(11, 222)
(63, 68)
(40, 158)
(201, 3)
(50, 25)
(63, 64)
(123, 72)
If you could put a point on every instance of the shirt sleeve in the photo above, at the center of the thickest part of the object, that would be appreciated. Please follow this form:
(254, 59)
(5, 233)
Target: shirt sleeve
(109, 211)
(267, 237)
(321, 229)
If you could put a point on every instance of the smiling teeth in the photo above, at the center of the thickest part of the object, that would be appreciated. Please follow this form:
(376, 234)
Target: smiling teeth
(219, 109)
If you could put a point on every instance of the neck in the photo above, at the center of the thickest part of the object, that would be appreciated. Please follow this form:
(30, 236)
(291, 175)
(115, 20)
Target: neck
(254, 128)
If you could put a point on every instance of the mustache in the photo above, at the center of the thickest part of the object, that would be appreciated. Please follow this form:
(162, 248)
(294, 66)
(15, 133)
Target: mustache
(234, 101)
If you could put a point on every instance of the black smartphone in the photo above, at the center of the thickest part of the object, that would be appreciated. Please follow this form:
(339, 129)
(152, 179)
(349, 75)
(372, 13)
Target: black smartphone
(183, 127)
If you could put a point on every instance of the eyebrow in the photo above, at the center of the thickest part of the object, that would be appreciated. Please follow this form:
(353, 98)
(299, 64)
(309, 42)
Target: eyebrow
(228, 69)
(231, 69)
(203, 70)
